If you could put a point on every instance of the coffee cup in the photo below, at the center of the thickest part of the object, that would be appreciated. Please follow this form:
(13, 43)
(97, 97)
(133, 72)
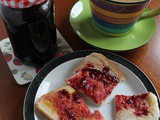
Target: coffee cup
(118, 17)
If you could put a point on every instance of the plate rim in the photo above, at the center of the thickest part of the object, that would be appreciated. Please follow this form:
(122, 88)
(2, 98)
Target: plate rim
(97, 47)
(28, 106)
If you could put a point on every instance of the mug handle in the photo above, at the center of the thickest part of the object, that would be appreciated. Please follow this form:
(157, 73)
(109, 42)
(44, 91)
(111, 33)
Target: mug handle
(150, 13)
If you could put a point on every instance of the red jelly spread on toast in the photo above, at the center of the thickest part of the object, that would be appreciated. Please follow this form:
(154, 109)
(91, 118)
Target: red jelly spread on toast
(64, 93)
(89, 65)
(69, 106)
(94, 83)
(136, 102)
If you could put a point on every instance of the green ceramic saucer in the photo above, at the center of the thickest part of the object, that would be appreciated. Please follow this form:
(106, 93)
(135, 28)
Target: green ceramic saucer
(81, 22)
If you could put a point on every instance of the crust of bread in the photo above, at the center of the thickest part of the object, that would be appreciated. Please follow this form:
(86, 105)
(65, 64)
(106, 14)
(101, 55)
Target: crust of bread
(153, 103)
(44, 106)
(127, 114)
(47, 107)
(99, 61)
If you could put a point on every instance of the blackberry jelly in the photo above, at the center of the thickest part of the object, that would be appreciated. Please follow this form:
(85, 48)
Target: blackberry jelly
(32, 32)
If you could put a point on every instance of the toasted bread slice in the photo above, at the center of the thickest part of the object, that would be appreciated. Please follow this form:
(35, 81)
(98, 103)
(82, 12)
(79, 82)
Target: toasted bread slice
(96, 77)
(95, 116)
(63, 103)
(99, 61)
(137, 107)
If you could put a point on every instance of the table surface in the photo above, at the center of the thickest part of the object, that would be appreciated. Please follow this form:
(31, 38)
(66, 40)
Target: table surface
(147, 58)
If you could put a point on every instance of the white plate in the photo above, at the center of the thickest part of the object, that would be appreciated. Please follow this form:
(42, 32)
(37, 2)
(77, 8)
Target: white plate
(55, 79)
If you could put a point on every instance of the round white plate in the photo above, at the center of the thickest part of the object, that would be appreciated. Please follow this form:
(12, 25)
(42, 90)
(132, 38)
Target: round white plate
(56, 76)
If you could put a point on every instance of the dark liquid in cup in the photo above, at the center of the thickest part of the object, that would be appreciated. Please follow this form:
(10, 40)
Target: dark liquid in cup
(32, 32)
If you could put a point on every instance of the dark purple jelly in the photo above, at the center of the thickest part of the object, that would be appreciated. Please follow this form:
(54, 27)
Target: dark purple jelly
(76, 97)
(32, 32)
(70, 114)
(64, 93)
(98, 75)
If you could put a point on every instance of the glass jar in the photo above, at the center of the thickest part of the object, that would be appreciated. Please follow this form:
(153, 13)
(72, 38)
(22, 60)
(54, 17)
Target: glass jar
(32, 32)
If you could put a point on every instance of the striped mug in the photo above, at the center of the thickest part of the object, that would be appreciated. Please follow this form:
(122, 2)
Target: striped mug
(118, 17)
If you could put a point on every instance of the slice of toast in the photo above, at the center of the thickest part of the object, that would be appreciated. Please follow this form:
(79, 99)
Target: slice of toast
(63, 103)
(96, 77)
(99, 61)
(95, 116)
(137, 107)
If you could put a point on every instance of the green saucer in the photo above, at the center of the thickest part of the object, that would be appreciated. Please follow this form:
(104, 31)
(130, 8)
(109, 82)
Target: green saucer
(81, 22)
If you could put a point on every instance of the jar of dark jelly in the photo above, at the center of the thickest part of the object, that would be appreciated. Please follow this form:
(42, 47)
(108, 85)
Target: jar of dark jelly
(32, 32)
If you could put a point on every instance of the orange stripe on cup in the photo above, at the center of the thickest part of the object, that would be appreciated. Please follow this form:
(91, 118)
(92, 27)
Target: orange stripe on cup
(114, 20)
(113, 14)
